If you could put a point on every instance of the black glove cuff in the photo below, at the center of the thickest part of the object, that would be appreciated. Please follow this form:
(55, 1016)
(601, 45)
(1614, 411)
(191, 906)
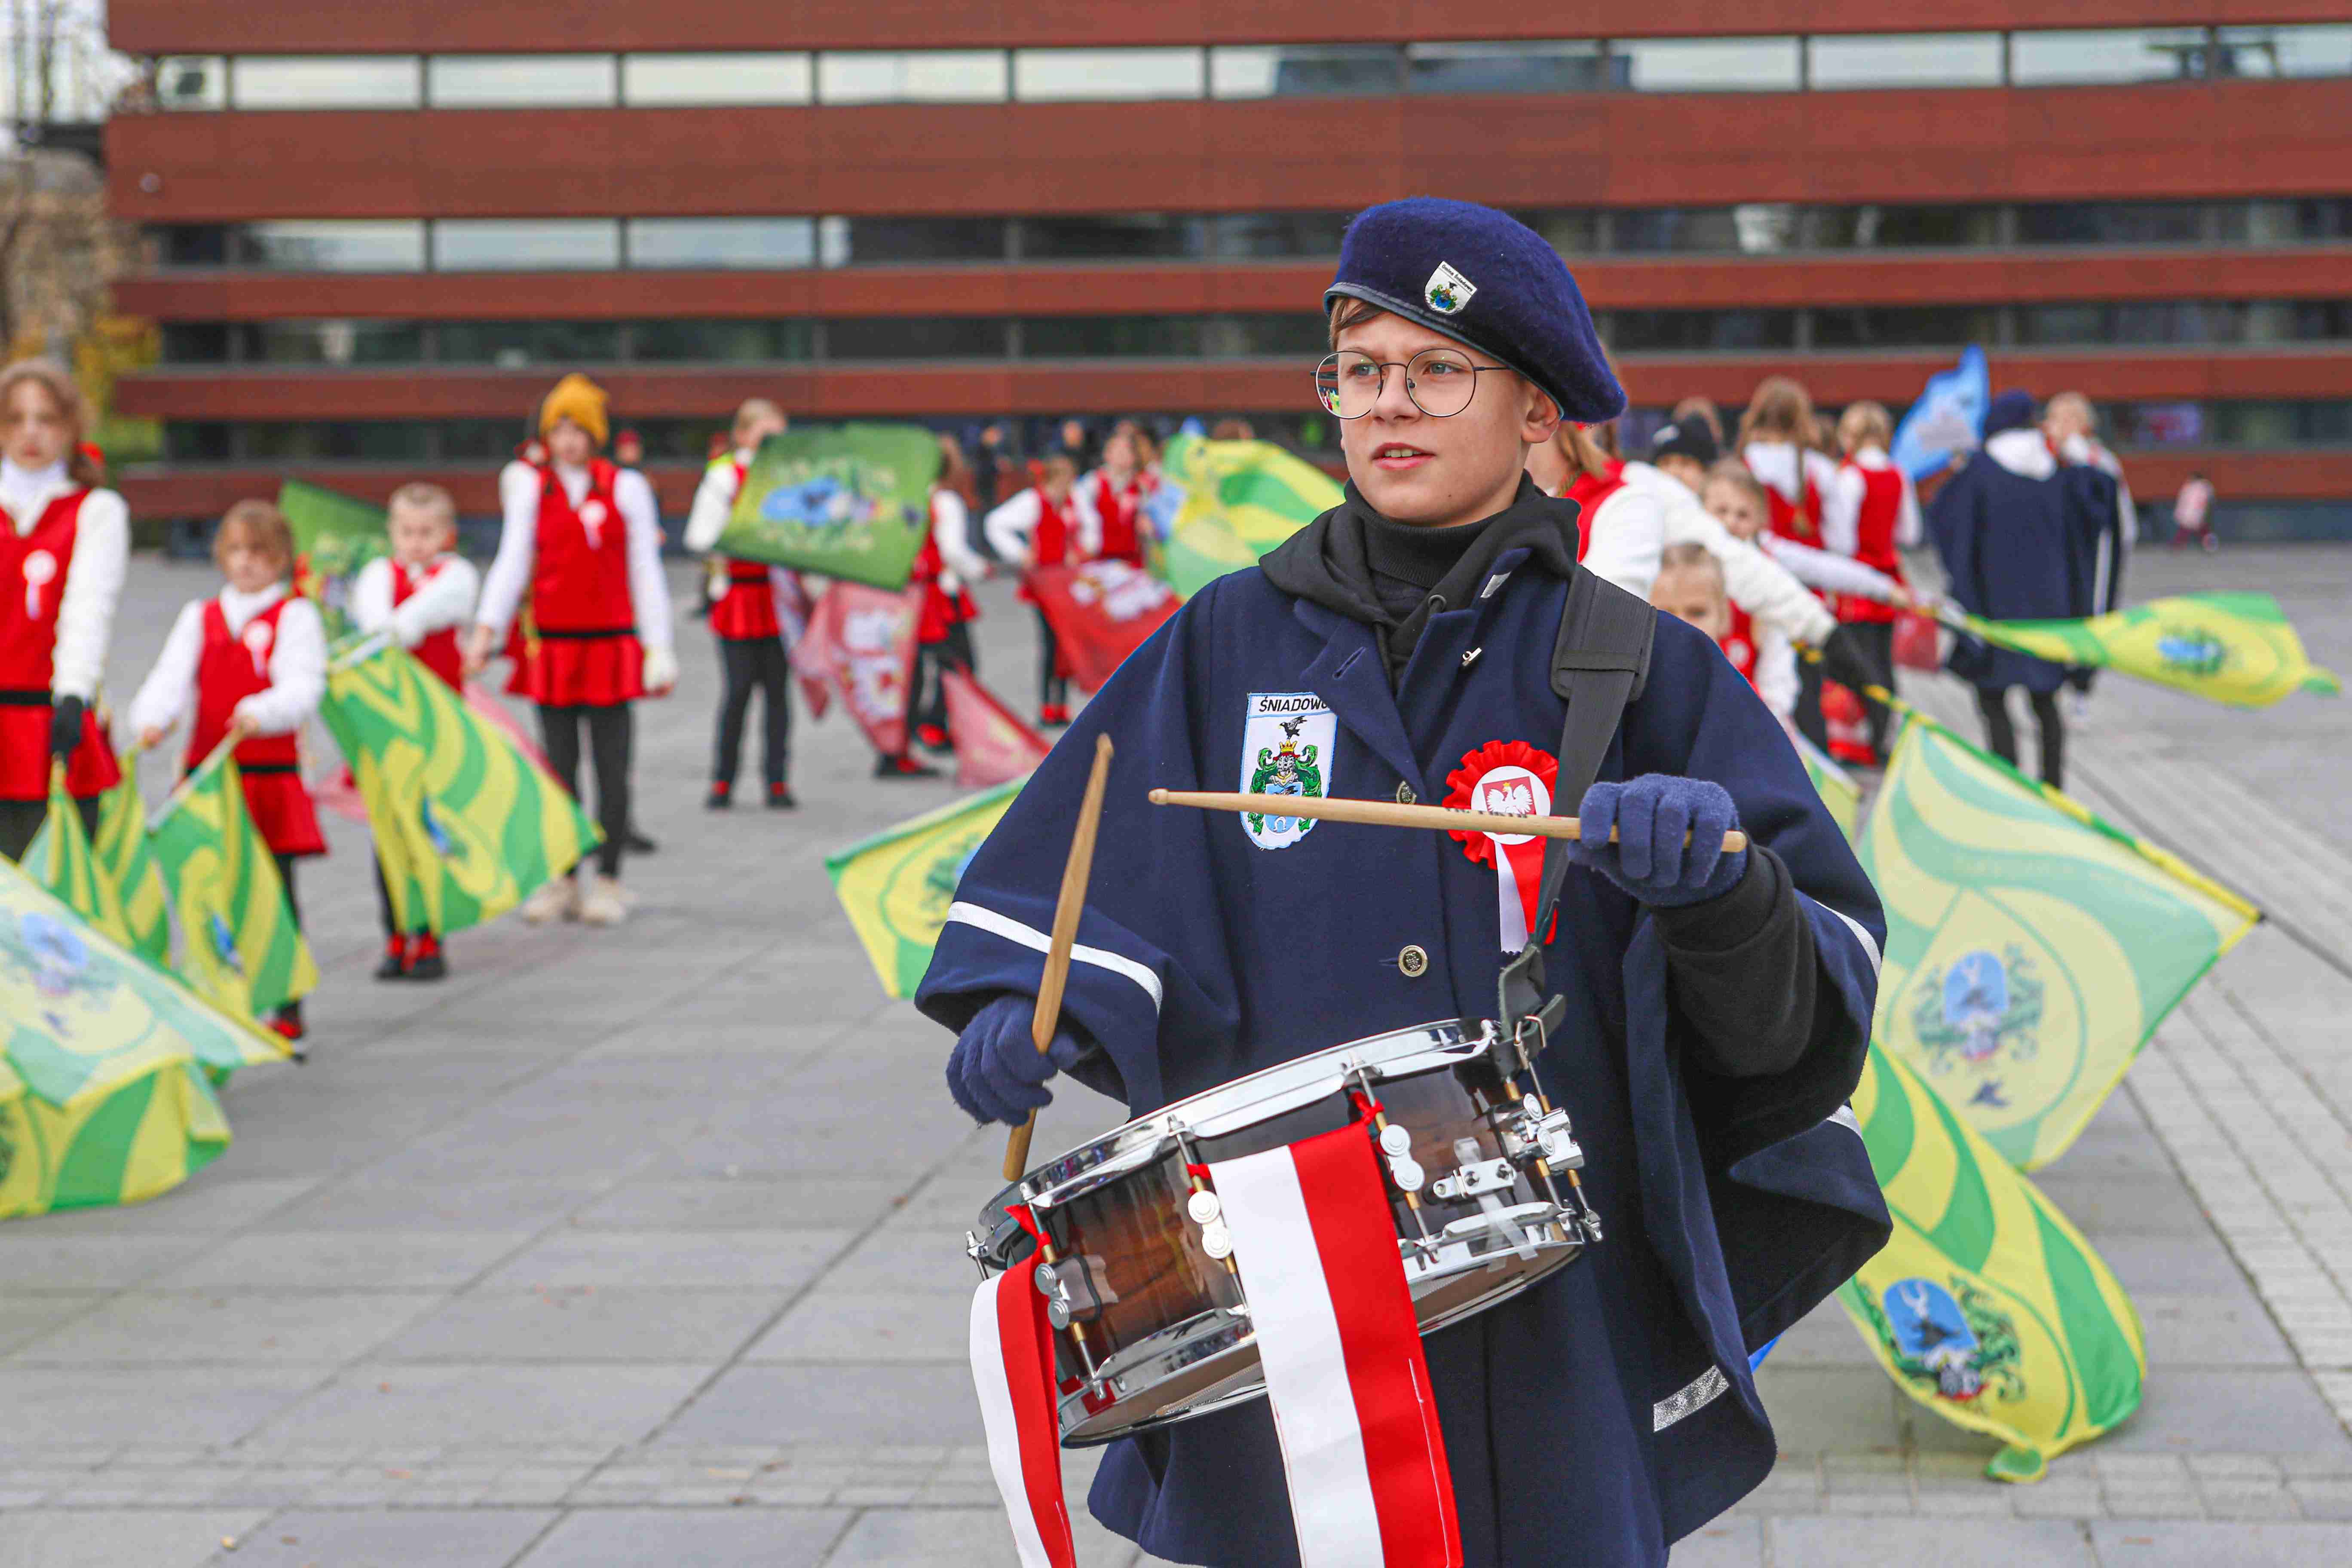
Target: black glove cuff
(64, 725)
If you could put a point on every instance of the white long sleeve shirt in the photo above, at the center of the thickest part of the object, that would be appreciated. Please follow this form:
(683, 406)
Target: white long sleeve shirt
(1774, 599)
(1780, 465)
(951, 530)
(1626, 533)
(1012, 528)
(510, 569)
(1842, 507)
(714, 501)
(442, 600)
(1828, 571)
(298, 665)
(101, 557)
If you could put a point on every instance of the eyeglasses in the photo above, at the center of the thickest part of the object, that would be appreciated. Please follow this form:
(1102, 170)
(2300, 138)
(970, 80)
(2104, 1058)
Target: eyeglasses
(1440, 381)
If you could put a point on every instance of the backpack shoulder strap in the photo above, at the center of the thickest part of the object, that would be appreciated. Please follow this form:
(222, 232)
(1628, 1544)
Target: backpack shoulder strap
(1599, 662)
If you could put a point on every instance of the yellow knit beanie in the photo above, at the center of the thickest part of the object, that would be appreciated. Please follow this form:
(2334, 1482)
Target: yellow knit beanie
(578, 399)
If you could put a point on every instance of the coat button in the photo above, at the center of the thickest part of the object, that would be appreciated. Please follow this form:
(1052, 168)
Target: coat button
(1404, 793)
(1413, 960)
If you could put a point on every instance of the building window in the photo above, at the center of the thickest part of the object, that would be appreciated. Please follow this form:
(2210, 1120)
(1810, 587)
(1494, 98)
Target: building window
(1537, 65)
(1704, 65)
(1270, 336)
(869, 241)
(1702, 230)
(191, 81)
(330, 244)
(921, 76)
(526, 244)
(2296, 221)
(1720, 332)
(1049, 75)
(2114, 222)
(1905, 59)
(344, 440)
(2283, 51)
(330, 342)
(914, 338)
(719, 341)
(1119, 236)
(1263, 236)
(2093, 55)
(674, 80)
(195, 342)
(522, 81)
(1306, 70)
(327, 81)
(1874, 228)
(748, 243)
(515, 345)
(1904, 326)
(1110, 337)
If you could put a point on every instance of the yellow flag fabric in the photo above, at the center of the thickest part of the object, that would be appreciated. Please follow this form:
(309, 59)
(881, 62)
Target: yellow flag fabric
(122, 850)
(466, 824)
(239, 948)
(60, 858)
(1230, 503)
(1987, 1306)
(2030, 948)
(896, 886)
(2234, 648)
(104, 1063)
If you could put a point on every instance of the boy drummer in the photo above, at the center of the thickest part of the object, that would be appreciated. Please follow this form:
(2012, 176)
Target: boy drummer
(1718, 1002)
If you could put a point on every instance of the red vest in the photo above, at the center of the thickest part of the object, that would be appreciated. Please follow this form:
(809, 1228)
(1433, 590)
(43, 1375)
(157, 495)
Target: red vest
(744, 607)
(1057, 530)
(1588, 492)
(583, 616)
(1117, 510)
(231, 669)
(1882, 509)
(1790, 520)
(439, 652)
(940, 609)
(32, 586)
(1739, 644)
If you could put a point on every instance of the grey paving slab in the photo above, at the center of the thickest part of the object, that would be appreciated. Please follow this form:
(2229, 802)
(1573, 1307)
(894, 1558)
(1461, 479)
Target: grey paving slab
(2209, 1330)
(43, 1253)
(406, 1538)
(685, 1260)
(807, 1203)
(367, 1200)
(690, 1537)
(957, 1538)
(262, 1327)
(2246, 1411)
(1726, 1543)
(852, 1406)
(1818, 1409)
(376, 1404)
(174, 1538)
(583, 1323)
(2183, 1543)
(116, 1405)
(193, 1208)
(325, 1261)
(1873, 1542)
(834, 1324)
(2107, 1203)
(25, 1317)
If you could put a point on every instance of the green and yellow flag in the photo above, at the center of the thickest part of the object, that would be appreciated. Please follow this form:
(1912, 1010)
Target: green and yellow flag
(104, 1062)
(466, 824)
(2236, 649)
(896, 886)
(239, 948)
(334, 536)
(123, 853)
(60, 858)
(1987, 1306)
(1836, 787)
(1232, 502)
(2032, 949)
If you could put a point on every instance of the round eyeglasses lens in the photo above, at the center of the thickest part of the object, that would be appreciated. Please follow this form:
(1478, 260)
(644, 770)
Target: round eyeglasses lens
(1348, 384)
(1441, 382)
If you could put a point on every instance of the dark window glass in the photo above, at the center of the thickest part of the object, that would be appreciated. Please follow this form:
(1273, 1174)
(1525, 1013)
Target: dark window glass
(1547, 66)
(1119, 236)
(2073, 322)
(1874, 228)
(2112, 223)
(2175, 322)
(2298, 220)
(719, 343)
(1310, 70)
(1110, 337)
(1903, 326)
(866, 241)
(198, 441)
(348, 440)
(937, 337)
(678, 440)
(1636, 331)
(521, 344)
(1675, 228)
(1254, 234)
(1303, 338)
(1572, 231)
(2158, 423)
(195, 342)
(194, 244)
(333, 342)
(480, 439)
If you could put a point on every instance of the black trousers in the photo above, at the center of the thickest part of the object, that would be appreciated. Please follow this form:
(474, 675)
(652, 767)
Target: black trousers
(286, 874)
(926, 693)
(611, 735)
(1862, 655)
(1808, 716)
(20, 823)
(1053, 690)
(754, 664)
(2000, 732)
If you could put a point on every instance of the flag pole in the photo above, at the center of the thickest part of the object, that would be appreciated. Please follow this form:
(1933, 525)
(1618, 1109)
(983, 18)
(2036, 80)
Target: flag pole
(1387, 813)
(1047, 1018)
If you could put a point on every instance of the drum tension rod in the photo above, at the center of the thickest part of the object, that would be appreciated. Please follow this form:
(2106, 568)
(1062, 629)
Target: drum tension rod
(1381, 1125)
(1543, 1166)
(1193, 1168)
(1078, 1329)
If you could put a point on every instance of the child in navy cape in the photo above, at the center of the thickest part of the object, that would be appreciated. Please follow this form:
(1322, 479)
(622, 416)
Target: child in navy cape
(1718, 1003)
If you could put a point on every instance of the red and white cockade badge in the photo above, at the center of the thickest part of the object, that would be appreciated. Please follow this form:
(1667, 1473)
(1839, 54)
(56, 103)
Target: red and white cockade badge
(1507, 778)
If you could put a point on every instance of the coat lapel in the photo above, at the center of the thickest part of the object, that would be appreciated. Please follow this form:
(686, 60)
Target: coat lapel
(1348, 674)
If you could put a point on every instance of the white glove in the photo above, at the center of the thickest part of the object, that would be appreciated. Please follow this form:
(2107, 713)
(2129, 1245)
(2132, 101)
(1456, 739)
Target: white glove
(660, 671)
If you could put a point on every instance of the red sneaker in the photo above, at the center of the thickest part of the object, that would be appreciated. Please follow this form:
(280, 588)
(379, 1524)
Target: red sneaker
(1052, 715)
(932, 736)
(396, 959)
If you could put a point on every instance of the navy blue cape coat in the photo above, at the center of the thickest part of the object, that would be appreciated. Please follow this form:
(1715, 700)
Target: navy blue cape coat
(2021, 549)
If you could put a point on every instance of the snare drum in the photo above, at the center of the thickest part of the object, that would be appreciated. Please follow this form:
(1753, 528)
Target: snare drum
(1151, 1324)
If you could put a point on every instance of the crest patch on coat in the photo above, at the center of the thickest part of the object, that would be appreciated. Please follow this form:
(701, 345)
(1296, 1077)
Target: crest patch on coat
(1447, 291)
(1287, 738)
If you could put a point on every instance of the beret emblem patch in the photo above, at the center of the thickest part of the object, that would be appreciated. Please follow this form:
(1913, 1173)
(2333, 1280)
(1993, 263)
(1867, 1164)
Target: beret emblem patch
(1447, 291)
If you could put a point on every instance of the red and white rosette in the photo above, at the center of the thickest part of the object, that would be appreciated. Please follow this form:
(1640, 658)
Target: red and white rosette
(1507, 778)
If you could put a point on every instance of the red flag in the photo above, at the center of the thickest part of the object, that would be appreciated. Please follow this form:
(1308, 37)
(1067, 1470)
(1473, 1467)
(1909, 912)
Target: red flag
(811, 659)
(1102, 611)
(1012, 1369)
(1341, 1346)
(862, 639)
(991, 746)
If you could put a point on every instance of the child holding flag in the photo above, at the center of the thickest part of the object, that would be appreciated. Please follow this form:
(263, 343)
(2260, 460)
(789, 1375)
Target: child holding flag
(1045, 525)
(250, 664)
(751, 652)
(63, 552)
(420, 595)
(583, 538)
(1870, 514)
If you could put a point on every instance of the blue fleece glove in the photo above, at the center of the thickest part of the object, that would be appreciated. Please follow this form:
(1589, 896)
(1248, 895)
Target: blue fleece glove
(996, 1073)
(1650, 861)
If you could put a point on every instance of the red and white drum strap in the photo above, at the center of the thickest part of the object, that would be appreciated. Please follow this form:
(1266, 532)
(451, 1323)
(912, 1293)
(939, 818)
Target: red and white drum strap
(1013, 1368)
(1336, 1330)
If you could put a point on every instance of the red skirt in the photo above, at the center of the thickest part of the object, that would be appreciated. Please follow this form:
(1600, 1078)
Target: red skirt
(519, 650)
(281, 811)
(746, 611)
(90, 770)
(602, 670)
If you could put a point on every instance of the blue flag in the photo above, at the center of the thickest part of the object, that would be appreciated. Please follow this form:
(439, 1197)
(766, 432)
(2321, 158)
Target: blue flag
(1947, 418)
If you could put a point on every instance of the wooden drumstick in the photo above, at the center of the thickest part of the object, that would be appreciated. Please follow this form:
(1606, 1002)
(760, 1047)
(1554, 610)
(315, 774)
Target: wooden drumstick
(1388, 814)
(1066, 909)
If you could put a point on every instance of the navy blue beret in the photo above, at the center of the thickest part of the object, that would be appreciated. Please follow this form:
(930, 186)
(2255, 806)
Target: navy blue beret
(1486, 279)
(2011, 410)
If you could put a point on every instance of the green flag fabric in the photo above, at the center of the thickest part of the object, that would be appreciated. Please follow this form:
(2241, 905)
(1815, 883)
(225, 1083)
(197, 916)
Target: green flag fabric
(1987, 1305)
(122, 850)
(1231, 501)
(334, 536)
(2030, 948)
(897, 885)
(105, 1063)
(239, 948)
(466, 824)
(2235, 648)
(847, 501)
(60, 859)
